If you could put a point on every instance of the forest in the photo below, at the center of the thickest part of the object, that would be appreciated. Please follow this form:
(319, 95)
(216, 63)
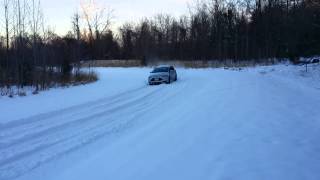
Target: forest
(32, 54)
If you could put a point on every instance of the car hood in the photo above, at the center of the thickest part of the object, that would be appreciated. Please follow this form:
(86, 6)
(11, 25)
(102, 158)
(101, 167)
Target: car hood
(159, 74)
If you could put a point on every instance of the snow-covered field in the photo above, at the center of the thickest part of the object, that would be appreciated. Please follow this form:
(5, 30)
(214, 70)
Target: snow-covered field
(257, 123)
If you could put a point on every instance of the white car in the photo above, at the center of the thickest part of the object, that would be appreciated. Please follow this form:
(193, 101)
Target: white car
(162, 74)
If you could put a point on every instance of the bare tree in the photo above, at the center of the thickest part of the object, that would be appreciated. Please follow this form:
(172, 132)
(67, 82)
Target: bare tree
(97, 17)
(76, 25)
(35, 25)
(77, 33)
(36, 17)
(6, 16)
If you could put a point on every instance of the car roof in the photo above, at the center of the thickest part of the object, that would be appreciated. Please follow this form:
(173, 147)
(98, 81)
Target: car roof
(163, 66)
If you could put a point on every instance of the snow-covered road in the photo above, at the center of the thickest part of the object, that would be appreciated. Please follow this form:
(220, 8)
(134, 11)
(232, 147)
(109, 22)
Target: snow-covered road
(210, 124)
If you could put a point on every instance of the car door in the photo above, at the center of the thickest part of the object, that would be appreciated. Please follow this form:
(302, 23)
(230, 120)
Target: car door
(172, 73)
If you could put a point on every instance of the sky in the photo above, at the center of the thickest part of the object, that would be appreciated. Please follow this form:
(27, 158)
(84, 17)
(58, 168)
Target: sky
(58, 13)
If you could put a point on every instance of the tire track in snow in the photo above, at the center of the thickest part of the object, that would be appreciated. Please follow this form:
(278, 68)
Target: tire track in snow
(34, 137)
(18, 134)
(37, 148)
(74, 109)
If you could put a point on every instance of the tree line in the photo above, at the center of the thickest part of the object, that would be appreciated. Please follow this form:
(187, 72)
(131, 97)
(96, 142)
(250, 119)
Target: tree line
(222, 29)
(31, 54)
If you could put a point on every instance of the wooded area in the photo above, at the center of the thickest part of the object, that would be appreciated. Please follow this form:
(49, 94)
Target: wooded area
(220, 30)
(31, 54)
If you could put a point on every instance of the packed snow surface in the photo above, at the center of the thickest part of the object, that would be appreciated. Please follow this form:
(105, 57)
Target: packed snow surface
(255, 123)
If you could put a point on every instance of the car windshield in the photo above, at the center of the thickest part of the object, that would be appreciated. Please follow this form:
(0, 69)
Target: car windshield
(161, 69)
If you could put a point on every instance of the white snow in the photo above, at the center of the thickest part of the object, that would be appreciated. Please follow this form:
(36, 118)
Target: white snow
(257, 123)
(112, 82)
